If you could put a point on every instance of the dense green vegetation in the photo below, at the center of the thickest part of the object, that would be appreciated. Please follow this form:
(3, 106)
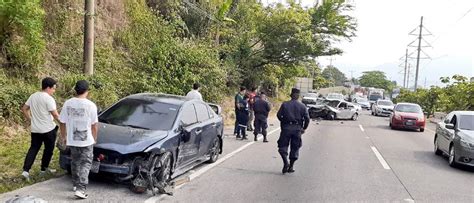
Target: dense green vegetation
(376, 79)
(456, 95)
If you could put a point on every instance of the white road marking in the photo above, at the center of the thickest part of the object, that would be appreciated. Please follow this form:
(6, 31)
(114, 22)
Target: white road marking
(409, 200)
(210, 166)
(361, 128)
(380, 158)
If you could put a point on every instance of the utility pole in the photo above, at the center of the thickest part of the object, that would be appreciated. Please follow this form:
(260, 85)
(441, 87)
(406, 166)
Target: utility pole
(418, 57)
(408, 77)
(88, 57)
(405, 72)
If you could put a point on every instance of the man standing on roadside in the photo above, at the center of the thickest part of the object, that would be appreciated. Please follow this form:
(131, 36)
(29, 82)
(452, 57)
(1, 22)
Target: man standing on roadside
(79, 126)
(239, 97)
(40, 111)
(261, 108)
(251, 95)
(194, 93)
(294, 119)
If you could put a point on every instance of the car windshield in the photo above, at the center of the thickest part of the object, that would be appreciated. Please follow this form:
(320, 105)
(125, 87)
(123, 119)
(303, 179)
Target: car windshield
(362, 100)
(408, 108)
(142, 114)
(385, 103)
(466, 122)
(375, 97)
(333, 103)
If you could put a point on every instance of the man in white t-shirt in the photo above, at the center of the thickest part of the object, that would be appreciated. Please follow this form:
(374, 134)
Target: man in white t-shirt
(194, 93)
(40, 111)
(79, 126)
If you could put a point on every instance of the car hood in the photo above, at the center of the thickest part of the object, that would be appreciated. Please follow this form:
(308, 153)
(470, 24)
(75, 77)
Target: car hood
(386, 107)
(467, 134)
(364, 103)
(312, 98)
(406, 114)
(127, 140)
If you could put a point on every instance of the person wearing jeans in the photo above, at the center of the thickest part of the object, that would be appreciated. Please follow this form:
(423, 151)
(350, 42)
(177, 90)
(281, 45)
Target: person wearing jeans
(40, 111)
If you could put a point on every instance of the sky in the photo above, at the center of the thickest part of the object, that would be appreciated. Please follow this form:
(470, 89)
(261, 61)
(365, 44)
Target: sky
(383, 35)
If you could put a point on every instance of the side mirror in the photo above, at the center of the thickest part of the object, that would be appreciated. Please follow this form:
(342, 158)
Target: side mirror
(185, 133)
(450, 126)
(99, 110)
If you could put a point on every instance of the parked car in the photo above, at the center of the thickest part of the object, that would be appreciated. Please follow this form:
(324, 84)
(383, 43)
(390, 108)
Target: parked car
(148, 139)
(310, 98)
(335, 96)
(382, 107)
(407, 116)
(363, 102)
(455, 137)
(334, 109)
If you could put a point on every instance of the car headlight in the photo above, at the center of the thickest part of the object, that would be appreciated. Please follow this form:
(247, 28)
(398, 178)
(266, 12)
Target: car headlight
(397, 117)
(421, 117)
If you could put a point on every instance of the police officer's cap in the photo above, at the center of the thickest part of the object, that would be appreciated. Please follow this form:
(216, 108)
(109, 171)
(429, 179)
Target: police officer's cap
(295, 91)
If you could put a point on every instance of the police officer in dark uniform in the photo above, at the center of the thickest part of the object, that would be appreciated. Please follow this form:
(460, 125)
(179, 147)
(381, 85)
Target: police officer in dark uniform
(261, 108)
(294, 119)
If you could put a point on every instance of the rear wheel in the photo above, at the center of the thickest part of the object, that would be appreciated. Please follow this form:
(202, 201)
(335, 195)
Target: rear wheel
(355, 117)
(452, 157)
(436, 147)
(215, 150)
(422, 130)
(332, 116)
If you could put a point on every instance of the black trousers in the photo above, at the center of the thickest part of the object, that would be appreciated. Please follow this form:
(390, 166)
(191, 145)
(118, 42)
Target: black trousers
(37, 139)
(260, 126)
(292, 139)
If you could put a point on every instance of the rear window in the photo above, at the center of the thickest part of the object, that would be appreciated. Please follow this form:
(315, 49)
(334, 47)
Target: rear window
(375, 97)
(466, 122)
(143, 114)
(408, 108)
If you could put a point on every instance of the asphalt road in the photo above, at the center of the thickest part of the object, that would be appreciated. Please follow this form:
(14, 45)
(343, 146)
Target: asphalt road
(340, 161)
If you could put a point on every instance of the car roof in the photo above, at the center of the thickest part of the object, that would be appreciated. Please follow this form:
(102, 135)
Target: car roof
(160, 97)
(464, 112)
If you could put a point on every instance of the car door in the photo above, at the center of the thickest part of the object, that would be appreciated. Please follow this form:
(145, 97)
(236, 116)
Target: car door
(444, 132)
(344, 111)
(209, 131)
(188, 150)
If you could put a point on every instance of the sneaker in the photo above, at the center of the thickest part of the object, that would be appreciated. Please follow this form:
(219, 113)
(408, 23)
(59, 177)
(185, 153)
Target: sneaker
(48, 170)
(74, 189)
(81, 194)
(26, 175)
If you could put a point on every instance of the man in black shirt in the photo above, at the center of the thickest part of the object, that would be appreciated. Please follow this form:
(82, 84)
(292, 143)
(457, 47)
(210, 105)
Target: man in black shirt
(261, 108)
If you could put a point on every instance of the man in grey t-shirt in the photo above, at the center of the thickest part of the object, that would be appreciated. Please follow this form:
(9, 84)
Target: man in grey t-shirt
(40, 111)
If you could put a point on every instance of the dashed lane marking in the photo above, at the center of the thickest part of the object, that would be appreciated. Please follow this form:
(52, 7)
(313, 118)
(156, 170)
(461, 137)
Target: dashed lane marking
(361, 128)
(380, 158)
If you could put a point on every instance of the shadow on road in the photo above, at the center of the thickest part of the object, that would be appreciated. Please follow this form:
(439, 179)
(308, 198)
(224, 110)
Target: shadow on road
(428, 157)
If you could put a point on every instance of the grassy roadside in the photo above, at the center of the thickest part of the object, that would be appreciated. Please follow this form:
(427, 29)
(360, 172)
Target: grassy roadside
(14, 143)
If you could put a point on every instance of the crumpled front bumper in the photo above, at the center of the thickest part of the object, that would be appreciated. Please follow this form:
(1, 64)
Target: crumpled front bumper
(65, 163)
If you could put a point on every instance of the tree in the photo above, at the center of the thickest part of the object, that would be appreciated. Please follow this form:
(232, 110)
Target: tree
(334, 75)
(376, 79)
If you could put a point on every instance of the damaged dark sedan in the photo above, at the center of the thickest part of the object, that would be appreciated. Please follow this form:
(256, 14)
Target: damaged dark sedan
(148, 139)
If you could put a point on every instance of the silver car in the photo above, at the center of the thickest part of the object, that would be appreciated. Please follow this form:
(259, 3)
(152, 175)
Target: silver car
(455, 137)
(339, 109)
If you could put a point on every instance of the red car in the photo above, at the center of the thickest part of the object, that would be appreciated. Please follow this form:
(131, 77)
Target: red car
(408, 116)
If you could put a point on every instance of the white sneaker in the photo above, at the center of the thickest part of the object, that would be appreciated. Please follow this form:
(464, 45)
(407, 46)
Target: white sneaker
(48, 170)
(74, 189)
(26, 175)
(81, 194)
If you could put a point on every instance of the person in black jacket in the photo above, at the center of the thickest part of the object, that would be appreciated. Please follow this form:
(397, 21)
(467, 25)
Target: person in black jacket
(294, 119)
(261, 108)
(243, 116)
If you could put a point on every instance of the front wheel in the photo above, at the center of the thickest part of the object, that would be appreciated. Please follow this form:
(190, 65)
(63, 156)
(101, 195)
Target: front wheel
(422, 130)
(215, 150)
(452, 157)
(436, 147)
(355, 117)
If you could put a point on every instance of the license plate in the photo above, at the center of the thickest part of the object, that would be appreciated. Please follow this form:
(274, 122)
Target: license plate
(95, 167)
(409, 123)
